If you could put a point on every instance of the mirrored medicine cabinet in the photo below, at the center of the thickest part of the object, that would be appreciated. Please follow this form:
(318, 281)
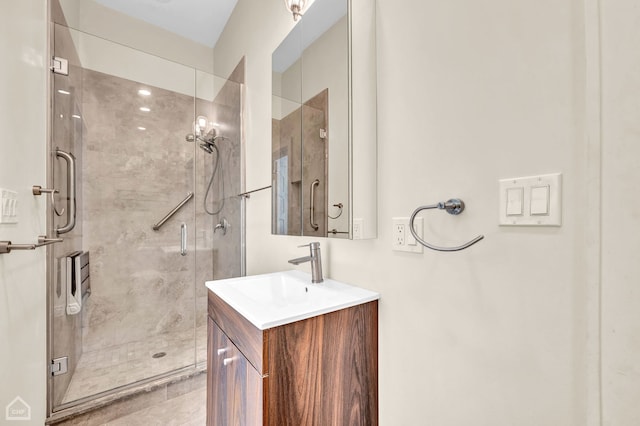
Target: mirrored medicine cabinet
(324, 148)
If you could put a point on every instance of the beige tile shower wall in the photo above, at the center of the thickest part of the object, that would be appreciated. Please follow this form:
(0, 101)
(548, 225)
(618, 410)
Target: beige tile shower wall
(204, 222)
(228, 113)
(218, 254)
(141, 284)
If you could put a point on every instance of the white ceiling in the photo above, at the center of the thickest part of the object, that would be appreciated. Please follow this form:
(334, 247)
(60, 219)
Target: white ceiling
(198, 20)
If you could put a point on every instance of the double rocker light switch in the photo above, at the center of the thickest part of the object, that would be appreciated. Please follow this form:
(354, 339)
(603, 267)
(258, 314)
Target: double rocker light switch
(531, 201)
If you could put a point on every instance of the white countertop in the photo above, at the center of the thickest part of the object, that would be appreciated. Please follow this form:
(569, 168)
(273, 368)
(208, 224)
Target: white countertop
(279, 298)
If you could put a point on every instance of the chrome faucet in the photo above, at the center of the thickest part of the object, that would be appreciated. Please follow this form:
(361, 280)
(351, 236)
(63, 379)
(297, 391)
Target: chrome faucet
(314, 258)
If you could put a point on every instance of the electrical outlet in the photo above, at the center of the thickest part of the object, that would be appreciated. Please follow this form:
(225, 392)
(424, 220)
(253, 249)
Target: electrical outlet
(358, 228)
(398, 234)
(402, 239)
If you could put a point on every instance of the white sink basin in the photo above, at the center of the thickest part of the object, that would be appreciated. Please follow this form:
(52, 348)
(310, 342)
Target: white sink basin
(280, 298)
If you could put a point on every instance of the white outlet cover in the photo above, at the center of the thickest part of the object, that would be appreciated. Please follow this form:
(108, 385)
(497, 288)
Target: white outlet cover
(358, 228)
(410, 243)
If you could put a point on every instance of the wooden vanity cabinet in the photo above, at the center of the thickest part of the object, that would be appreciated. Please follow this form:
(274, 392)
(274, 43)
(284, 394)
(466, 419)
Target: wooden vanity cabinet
(321, 371)
(236, 392)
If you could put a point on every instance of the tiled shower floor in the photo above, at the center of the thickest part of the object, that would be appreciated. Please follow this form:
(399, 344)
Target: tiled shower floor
(120, 365)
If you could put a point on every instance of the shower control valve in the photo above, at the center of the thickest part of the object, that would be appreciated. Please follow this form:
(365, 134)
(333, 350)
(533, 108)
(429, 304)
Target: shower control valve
(222, 225)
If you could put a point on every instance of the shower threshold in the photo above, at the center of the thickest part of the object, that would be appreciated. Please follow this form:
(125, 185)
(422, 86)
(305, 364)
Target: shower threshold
(98, 401)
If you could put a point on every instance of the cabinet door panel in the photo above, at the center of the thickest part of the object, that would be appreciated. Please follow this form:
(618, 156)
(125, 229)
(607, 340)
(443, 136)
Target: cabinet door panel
(234, 387)
(323, 370)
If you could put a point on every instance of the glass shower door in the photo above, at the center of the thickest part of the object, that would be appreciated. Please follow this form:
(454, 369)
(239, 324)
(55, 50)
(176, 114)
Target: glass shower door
(125, 311)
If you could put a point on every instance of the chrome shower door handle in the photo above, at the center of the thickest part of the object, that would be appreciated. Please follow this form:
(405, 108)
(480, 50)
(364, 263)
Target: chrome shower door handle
(312, 209)
(71, 192)
(183, 239)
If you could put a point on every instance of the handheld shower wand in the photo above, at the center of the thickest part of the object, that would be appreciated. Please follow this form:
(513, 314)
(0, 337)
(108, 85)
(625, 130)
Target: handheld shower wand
(208, 145)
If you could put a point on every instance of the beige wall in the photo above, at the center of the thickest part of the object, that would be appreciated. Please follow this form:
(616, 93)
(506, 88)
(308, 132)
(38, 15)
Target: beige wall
(620, 212)
(500, 334)
(468, 93)
(23, 136)
(93, 18)
(97, 54)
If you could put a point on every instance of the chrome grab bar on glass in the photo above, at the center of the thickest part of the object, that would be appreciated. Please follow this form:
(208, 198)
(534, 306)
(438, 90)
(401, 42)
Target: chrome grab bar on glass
(312, 210)
(71, 192)
(158, 225)
(7, 246)
(183, 239)
(454, 207)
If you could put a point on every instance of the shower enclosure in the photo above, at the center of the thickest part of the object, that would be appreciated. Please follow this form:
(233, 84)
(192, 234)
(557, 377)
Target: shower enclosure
(126, 294)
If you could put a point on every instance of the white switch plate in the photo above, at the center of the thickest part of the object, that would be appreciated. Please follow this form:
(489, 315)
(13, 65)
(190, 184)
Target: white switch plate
(402, 240)
(554, 215)
(8, 206)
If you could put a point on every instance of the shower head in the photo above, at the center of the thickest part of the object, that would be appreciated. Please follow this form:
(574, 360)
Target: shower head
(210, 137)
(206, 147)
(208, 140)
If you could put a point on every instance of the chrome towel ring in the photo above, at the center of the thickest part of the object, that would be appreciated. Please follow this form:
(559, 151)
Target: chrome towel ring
(453, 206)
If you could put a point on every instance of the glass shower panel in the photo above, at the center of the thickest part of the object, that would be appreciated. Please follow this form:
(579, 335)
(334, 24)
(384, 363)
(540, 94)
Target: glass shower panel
(123, 114)
(219, 179)
(67, 135)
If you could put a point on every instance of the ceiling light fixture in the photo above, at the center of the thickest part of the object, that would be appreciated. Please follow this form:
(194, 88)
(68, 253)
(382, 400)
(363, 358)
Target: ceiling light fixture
(144, 92)
(296, 7)
(145, 109)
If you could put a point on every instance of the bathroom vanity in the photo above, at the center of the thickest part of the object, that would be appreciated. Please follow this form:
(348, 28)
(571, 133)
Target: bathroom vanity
(283, 351)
